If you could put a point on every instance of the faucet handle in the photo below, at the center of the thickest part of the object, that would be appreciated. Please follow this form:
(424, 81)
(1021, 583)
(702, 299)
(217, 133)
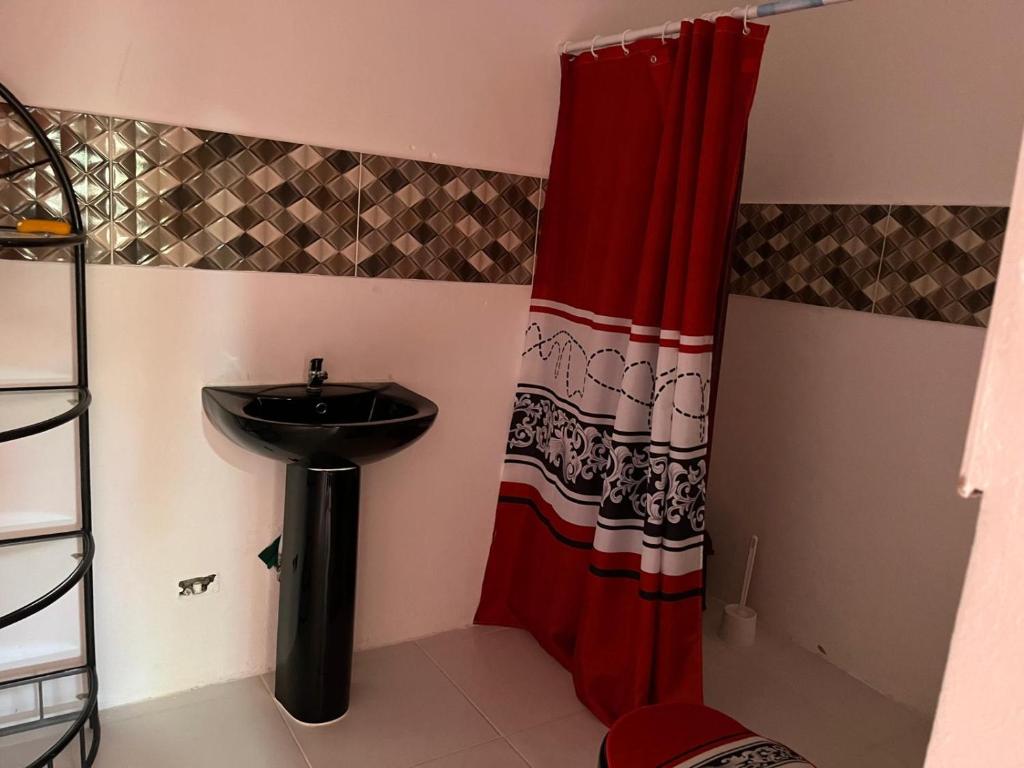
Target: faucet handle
(317, 375)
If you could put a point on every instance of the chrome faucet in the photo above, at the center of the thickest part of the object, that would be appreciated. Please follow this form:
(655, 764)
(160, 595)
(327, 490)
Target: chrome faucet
(317, 376)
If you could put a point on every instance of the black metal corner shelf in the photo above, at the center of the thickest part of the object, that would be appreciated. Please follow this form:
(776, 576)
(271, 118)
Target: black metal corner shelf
(68, 729)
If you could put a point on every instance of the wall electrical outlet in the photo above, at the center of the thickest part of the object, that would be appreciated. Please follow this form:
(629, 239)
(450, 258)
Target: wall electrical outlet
(198, 585)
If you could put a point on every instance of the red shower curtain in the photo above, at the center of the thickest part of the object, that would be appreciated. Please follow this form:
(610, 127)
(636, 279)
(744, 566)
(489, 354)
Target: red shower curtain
(598, 539)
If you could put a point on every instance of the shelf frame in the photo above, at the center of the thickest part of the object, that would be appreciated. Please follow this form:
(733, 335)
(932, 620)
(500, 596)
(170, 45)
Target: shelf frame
(38, 239)
(23, 168)
(74, 412)
(55, 593)
(89, 713)
(76, 240)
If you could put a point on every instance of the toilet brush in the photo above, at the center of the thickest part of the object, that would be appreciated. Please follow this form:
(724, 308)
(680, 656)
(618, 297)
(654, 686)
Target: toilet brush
(739, 621)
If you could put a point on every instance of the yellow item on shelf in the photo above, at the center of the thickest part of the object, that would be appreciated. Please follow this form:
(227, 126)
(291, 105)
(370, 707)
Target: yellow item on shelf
(43, 226)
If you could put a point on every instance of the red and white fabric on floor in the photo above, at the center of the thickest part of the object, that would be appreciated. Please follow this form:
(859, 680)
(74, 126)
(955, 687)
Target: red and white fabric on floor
(689, 736)
(598, 540)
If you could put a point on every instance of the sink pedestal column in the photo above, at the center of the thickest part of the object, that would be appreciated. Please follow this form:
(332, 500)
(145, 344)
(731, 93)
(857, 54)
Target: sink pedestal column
(318, 592)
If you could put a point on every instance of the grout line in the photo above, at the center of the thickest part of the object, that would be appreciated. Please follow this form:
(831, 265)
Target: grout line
(110, 188)
(359, 215)
(504, 736)
(287, 725)
(295, 740)
(501, 735)
(428, 761)
(536, 226)
(558, 719)
(881, 258)
(263, 682)
(458, 687)
(516, 749)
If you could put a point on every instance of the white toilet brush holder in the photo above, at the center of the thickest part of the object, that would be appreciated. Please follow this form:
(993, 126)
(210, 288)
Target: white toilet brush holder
(739, 621)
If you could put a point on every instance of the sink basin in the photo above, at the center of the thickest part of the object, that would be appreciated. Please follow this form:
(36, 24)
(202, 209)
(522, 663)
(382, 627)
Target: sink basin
(325, 433)
(340, 423)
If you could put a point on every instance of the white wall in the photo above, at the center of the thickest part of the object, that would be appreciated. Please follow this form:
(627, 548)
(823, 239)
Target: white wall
(837, 440)
(875, 101)
(981, 708)
(868, 102)
(839, 432)
(462, 81)
(173, 498)
(893, 100)
(466, 82)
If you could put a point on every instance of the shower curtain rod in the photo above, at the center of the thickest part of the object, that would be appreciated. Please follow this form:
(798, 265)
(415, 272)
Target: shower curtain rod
(672, 28)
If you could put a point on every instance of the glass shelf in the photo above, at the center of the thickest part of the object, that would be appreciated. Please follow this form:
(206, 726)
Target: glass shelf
(36, 658)
(14, 525)
(42, 570)
(27, 411)
(50, 715)
(10, 238)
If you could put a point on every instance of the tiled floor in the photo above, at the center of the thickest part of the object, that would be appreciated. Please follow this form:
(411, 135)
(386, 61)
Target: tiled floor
(491, 698)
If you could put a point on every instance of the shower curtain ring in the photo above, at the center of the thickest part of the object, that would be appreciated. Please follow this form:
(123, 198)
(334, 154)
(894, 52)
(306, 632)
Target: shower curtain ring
(592, 44)
(746, 20)
(664, 31)
(622, 42)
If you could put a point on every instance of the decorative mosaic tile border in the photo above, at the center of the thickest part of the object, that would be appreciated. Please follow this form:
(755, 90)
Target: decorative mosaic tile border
(931, 262)
(427, 220)
(193, 198)
(156, 194)
(82, 142)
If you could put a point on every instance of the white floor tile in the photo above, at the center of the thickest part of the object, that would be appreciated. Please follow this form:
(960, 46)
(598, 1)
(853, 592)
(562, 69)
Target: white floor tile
(163, 703)
(513, 681)
(569, 742)
(773, 708)
(403, 712)
(24, 748)
(786, 693)
(494, 754)
(235, 724)
(868, 715)
(910, 747)
(876, 757)
(420, 704)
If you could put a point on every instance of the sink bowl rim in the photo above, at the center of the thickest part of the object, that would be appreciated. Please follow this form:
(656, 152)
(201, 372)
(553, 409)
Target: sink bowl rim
(424, 407)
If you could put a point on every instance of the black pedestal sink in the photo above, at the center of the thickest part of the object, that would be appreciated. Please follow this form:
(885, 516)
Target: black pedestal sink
(325, 432)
